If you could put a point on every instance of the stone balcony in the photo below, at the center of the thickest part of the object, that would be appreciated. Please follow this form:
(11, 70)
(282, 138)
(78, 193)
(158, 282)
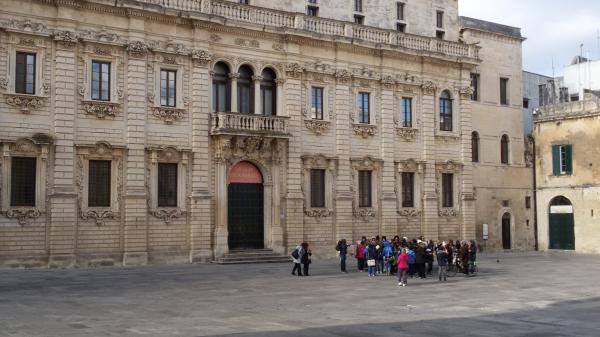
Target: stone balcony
(230, 123)
(589, 106)
(230, 13)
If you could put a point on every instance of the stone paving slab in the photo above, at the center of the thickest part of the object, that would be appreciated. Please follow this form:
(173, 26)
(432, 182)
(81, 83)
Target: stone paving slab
(522, 294)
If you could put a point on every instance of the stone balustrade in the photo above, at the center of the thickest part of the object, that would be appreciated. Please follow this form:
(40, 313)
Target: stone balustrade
(241, 124)
(302, 23)
(589, 106)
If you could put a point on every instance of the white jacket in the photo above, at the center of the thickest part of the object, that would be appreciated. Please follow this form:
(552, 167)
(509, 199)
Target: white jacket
(300, 253)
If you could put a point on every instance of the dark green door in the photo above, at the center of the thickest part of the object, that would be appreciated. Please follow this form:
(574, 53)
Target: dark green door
(245, 216)
(506, 232)
(562, 231)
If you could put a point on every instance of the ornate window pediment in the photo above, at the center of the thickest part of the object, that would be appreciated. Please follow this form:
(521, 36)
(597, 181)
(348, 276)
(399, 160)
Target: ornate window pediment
(329, 166)
(415, 170)
(455, 169)
(374, 166)
(177, 112)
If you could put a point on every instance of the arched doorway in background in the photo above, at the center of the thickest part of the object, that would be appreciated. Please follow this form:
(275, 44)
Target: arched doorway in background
(561, 225)
(506, 231)
(245, 207)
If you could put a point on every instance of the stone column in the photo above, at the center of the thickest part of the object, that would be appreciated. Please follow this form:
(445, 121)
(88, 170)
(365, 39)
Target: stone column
(279, 93)
(257, 100)
(63, 198)
(429, 223)
(234, 91)
(276, 239)
(468, 224)
(388, 174)
(222, 233)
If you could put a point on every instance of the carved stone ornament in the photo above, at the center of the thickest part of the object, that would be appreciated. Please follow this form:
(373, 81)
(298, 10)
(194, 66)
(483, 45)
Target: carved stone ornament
(364, 130)
(429, 88)
(98, 216)
(101, 109)
(407, 134)
(343, 75)
(318, 213)
(3, 83)
(388, 81)
(278, 47)
(449, 167)
(317, 126)
(260, 149)
(201, 56)
(137, 48)
(66, 38)
(167, 215)
(408, 166)
(448, 212)
(168, 115)
(465, 92)
(365, 214)
(23, 215)
(409, 212)
(294, 70)
(25, 102)
(26, 26)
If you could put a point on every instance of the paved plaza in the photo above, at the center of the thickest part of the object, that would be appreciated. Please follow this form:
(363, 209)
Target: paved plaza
(531, 294)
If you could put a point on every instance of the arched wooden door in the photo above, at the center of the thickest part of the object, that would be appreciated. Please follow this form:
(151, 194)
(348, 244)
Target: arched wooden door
(561, 224)
(245, 207)
(506, 232)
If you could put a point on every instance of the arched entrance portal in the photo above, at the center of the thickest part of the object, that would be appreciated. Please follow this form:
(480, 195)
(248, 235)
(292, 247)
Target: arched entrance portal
(561, 224)
(245, 207)
(506, 231)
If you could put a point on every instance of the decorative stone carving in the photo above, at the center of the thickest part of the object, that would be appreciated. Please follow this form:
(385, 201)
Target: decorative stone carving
(201, 56)
(343, 75)
(167, 215)
(318, 213)
(364, 130)
(25, 102)
(215, 37)
(168, 115)
(365, 214)
(3, 83)
(137, 48)
(100, 109)
(23, 215)
(408, 166)
(448, 213)
(26, 26)
(98, 216)
(407, 134)
(465, 92)
(278, 47)
(66, 38)
(247, 43)
(294, 70)
(317, 126)
(429, 88)
(449, 166)
(100, 36)
(388, 81)
(409, 212)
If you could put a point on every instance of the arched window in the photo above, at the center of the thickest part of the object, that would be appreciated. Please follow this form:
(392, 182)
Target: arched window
(268, 93)
(475, 147)
(221, 88)
(504, 147)
(445, 111)
(245, 90)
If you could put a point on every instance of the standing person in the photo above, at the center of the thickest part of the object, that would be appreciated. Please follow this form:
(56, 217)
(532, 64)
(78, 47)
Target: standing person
(306, 261)
(371, 252)
(464, 257)
(297, 254)
(473, 256)
(379, 259)
(403, 263)
(342, 248)
(360, 255)
(429, 256)
(388, 252)
(412, 261)
(442, 261)
(420, 259)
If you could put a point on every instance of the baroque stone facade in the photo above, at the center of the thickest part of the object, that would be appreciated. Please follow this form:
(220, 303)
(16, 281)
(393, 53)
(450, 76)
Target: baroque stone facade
(140, 127)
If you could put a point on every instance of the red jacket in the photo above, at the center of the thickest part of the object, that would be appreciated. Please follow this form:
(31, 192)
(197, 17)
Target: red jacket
(403, 261)
(360, 252)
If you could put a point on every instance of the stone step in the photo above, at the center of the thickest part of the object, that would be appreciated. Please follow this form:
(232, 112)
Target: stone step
(254, 261)
(251, 257)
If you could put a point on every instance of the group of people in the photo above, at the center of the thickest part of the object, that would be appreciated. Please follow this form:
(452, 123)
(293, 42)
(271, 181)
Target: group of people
(407, 258)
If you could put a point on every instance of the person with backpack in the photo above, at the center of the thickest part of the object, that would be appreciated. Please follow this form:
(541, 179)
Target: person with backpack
(442, 261)
(412, 261)
(297, 259)
(403, 263)
(342, 248)
(305, 257)
(360, 255)
(388, 252)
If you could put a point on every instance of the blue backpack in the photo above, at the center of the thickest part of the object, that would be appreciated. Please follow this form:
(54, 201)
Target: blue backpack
(412, 258)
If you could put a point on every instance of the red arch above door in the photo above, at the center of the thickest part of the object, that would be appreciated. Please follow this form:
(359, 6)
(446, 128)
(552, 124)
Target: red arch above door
(245, 173)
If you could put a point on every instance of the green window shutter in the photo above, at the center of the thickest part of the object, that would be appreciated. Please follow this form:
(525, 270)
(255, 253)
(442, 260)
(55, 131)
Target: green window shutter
(569, 155)
(556, 160)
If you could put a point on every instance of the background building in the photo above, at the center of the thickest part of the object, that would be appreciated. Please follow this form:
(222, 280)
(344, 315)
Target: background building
(135, 132)
(567, 166)
(533, 92)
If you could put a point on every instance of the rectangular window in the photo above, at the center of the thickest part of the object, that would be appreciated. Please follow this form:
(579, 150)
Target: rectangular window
(312, 11)
(447, 190)
(364, 189)
(245, 2)
(101, 81)
(359, 19)
(525, 103)
(167, 185)
(504, 91)
(440, 34)
(358, 6)
(364, 107)
(99, 183)
(23, 181)
(25, 73)
(562, 160)
(439, 19)
(317, 103)
(406, 112)
(401, 27)
(408, 189)
(475, 87)
(317, 188)
(168, 80)
(527, 202)
(400, 11)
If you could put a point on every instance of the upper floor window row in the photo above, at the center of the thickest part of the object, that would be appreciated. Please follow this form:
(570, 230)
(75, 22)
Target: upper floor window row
(25, 73)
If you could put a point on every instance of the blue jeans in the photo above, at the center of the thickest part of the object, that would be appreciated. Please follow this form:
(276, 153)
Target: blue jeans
(343, 262)
(372, 270)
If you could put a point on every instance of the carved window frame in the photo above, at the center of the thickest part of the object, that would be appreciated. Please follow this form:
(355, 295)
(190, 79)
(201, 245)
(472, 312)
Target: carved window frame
(25, 147)
(168, 155)
(375, 166)
(455, 100)
(167, 114)
(320, 162)
(449, 167)
(99, 151)
(318, 126)
(418, 168)
(16, 44)
(115, 60)
(407, 134)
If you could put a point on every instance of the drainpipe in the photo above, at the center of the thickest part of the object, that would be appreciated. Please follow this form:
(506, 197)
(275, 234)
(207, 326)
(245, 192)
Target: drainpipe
(535, 210)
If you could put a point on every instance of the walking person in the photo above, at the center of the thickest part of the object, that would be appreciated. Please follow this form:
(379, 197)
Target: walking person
(403, 264)
(342, 248)
(360, 255)
(306, 261)
(442, 260)
(297, 254)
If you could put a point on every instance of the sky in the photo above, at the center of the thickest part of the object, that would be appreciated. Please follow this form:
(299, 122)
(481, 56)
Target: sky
(554, 29)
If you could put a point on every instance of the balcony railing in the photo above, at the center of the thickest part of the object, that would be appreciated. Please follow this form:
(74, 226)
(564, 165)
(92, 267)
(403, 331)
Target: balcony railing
(301, 22)
(238, 123)
(589, 106)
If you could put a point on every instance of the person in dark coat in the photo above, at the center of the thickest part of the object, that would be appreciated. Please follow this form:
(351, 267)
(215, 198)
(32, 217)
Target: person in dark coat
(305, 258)
(464, 256)
(420, 259)
(429, 257)
(342, 248)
